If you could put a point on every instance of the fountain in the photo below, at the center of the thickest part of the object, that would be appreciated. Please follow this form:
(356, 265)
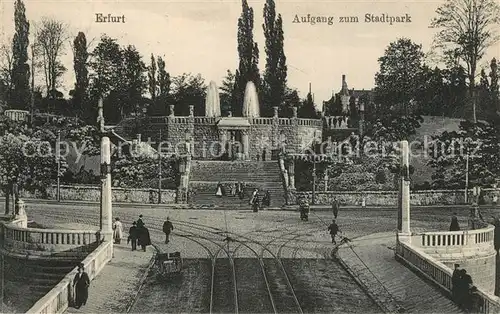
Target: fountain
(212, 101)
(251, 101)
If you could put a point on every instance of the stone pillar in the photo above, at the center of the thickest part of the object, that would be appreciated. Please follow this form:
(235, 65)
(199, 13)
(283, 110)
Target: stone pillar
(106, 197)
(172, 111)
(275, 109)
(291, 174)
(246, 144)
(294, 109)
(404, 197)
(191, 110)
(20, 213)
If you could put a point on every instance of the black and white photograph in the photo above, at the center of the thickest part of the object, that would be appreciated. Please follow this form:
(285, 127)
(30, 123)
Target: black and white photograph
(249, 156)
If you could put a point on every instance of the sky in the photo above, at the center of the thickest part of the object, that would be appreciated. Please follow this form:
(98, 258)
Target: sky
(200, 36)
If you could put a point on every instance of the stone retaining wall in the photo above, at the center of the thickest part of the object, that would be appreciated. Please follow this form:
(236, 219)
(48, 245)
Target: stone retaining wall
(390, 198)
(93, 193)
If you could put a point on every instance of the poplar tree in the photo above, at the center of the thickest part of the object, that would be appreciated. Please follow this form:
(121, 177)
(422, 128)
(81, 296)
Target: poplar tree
(274, 82)
(80, 58)
(152, 82)
(20, 69)
(248, 52)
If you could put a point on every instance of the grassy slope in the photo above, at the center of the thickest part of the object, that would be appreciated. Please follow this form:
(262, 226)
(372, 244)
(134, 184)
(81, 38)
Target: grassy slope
(431, 126)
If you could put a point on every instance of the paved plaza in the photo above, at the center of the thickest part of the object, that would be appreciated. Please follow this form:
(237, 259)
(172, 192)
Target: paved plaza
(243, 235)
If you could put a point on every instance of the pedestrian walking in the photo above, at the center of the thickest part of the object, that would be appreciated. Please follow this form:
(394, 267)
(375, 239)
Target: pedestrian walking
(454, 226)
(140, 223)
(218, 192)
(133, 236)
(254, 195)
(455, 283)
(496, 234)
(144, 238)
(117, 231)
(167, 229)
(335, 208)
(333, 229)
(81, 284)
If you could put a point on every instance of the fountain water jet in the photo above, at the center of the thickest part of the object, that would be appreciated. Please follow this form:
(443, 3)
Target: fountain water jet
(212, 101)
(251, 101)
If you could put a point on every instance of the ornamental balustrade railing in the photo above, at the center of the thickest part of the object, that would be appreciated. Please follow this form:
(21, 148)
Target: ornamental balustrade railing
(437, 272)
(478, 239)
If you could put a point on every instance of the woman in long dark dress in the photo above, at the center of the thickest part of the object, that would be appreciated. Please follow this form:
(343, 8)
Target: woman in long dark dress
(144, 238)
(81, 285)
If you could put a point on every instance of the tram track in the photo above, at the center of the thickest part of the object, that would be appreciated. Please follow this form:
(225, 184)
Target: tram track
(281, 300)
(224, 277)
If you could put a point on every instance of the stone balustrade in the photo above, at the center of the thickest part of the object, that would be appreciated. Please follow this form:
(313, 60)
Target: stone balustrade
(205, 120)
(472, 239)
(254, 121)
(16, 115)
(336, 122)
(440, 274)
(57, 300)
(47, 242)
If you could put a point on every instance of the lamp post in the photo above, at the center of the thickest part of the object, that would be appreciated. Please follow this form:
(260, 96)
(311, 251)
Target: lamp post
(159, 170)
(32, 107)
(467, 177)
(314, 181)
(58, 159)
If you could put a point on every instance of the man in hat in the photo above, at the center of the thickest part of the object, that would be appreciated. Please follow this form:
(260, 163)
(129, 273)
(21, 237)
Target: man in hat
(167, 228)
(333, 229)
(140, 223)
(133, 236)
(455, 282)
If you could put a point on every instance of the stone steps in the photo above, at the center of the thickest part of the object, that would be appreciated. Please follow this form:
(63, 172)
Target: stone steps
(264, 175)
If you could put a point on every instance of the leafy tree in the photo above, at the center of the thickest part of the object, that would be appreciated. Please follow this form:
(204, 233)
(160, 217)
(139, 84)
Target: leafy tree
(80, 92)
(291, 100)
(133, 81)
(275, 75)
(397, 80)
(20, 68)
(118, 75)
(392, 127)
(27, 163)
(476, 141)
(105, 65)
(6, 65)
(87, 137)
(50, 37)
(142, 172)
(248, 52)
(494, 89)
(308, 109)
(467, 28)
(188, 90)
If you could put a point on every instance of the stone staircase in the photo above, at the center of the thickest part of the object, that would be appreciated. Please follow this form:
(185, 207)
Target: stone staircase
(37, 279)
(205, 175)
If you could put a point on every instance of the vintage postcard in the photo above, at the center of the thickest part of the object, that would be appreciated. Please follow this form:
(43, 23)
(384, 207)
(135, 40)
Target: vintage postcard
(249, 156)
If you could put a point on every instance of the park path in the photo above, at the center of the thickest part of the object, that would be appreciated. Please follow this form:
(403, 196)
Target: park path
(372, 259)
(117, 285)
